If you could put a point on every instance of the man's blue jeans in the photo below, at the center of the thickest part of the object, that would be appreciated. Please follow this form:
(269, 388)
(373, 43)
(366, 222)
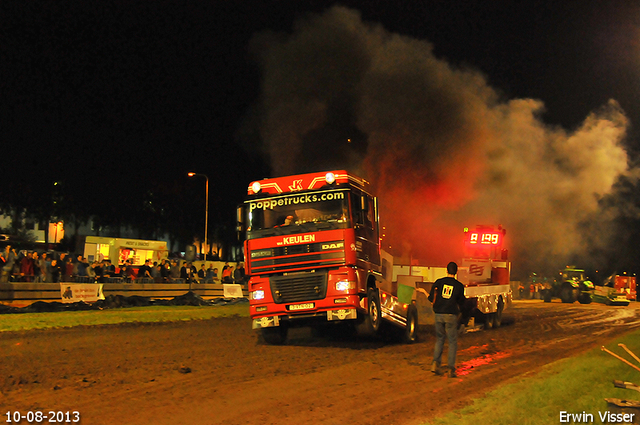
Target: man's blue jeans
(446, 323)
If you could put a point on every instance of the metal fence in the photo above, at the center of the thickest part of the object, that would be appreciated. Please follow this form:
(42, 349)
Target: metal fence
(31, 291)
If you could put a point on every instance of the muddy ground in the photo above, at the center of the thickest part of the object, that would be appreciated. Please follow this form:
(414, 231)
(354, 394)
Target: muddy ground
(135, 373)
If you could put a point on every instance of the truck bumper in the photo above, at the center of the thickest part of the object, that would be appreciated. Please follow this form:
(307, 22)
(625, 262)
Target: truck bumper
(329, 315)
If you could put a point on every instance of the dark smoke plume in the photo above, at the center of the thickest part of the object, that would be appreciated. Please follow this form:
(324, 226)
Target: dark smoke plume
(441, 148)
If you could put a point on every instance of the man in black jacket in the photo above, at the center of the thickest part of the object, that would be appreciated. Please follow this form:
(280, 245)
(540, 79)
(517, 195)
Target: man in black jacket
(144, 272)
(447, 296)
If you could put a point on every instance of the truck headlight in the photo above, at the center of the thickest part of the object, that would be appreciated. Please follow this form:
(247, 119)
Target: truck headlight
(330, 178)
(257, 295)
(345, 285)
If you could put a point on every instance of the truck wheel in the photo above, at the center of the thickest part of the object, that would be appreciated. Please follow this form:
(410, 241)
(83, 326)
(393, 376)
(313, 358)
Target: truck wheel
(370, 322)
(276, 335)
(320, 331)
(373, 307)
(411, 331)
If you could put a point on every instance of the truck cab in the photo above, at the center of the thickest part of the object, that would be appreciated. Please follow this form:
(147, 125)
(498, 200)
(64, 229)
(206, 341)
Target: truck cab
(312, 251)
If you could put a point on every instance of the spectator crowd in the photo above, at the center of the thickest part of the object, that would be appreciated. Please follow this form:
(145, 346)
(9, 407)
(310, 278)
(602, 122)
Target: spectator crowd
(37, 267)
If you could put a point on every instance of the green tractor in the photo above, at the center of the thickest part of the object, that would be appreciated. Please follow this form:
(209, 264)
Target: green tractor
(571, 287)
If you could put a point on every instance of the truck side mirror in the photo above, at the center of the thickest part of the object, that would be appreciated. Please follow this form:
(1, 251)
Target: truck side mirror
(240, 230)
(364, 205)
(239, 226)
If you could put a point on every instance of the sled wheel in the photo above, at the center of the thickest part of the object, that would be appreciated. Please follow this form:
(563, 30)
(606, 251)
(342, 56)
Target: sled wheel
(497, 316)
(411, 331)
(488, 320)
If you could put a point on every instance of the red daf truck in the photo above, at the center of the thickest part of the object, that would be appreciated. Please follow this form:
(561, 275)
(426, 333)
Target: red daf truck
(312, 249)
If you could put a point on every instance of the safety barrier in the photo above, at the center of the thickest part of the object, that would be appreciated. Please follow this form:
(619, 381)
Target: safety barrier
(27, 291)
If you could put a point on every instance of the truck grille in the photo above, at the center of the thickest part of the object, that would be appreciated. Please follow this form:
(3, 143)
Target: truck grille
(298, 287)
(298, 257)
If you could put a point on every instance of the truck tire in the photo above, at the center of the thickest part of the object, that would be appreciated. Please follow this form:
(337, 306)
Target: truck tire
(373, 307)
(320, 331)
(275, 335)
(370, 324)
(411, 331)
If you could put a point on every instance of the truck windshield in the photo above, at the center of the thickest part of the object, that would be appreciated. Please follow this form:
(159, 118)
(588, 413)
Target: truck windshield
(297, 213)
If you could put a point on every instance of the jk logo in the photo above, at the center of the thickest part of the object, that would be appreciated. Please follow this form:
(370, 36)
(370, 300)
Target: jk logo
(297, 185)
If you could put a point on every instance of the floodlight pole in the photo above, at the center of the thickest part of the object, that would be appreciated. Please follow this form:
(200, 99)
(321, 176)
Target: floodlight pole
(206, 211)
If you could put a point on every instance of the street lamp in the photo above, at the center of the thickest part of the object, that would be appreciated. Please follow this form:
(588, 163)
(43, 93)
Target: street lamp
(206, 210)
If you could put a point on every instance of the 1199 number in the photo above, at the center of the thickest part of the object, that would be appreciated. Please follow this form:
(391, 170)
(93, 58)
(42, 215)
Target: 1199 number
(38, 417)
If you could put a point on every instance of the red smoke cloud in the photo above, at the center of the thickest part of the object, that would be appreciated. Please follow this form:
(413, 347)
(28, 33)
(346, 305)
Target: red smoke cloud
(413, 198)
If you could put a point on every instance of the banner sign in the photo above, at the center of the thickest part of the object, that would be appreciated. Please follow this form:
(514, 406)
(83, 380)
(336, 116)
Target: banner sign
(75, 292)
(479, 269)
(232, 290)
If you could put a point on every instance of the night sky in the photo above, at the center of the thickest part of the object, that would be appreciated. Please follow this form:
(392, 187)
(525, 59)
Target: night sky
(117, 100)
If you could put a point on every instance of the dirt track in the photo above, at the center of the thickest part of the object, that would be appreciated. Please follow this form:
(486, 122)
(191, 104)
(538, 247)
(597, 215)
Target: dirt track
(132, 374)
